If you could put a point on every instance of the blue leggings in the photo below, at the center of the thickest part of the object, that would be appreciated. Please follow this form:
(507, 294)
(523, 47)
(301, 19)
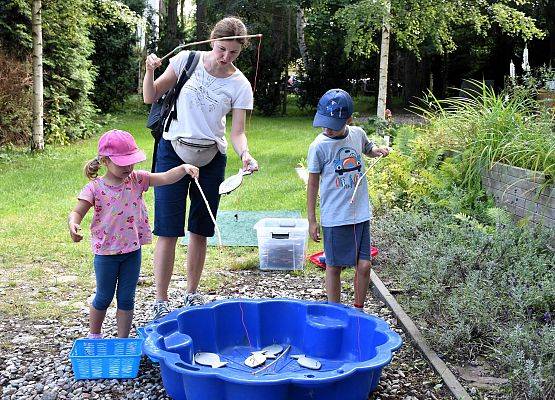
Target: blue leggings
(121, 270)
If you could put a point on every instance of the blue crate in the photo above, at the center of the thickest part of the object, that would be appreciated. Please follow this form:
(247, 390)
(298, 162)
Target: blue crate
(106, 358)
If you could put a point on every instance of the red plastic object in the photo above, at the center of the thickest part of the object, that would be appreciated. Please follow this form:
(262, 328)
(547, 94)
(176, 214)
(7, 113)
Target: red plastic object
(318, 258)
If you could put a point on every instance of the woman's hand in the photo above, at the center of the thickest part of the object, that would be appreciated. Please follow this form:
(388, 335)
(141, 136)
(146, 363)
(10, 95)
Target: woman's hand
(152, 62)
(191, 170)
(249, 163)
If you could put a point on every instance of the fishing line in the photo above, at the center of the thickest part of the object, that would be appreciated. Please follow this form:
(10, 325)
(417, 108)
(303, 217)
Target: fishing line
(211, 215)
(245, 325)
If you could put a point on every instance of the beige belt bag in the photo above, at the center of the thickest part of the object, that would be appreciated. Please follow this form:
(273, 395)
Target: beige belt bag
(197, 152)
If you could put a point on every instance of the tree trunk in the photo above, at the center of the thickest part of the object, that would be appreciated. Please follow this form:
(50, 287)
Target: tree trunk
(37, 142)
(172, 22)
(301, 23)
(384, 59)
(200, 17)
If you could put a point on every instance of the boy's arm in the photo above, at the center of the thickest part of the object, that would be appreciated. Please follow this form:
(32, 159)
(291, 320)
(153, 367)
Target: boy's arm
(75, 217)
(312, 193)
(173, 175)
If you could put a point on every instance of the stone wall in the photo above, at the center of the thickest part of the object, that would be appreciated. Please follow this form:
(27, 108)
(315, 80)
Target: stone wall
(518, 191)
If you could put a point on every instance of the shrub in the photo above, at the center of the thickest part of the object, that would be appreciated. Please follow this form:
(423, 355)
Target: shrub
(15, 100)
(477, 289)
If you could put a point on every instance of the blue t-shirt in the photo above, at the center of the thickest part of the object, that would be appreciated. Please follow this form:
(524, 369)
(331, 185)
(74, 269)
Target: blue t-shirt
(340, 165)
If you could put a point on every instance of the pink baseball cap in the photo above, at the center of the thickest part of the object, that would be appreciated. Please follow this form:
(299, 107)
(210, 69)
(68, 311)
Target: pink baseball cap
(120, 147)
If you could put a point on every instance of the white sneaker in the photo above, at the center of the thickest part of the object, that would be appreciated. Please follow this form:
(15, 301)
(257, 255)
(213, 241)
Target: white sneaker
(160, 308)
(193, 299)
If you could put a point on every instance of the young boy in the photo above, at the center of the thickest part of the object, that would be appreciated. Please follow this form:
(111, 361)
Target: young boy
(335, 164)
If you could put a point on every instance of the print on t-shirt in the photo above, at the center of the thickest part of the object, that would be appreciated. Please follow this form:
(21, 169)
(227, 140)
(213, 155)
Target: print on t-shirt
(347, 164)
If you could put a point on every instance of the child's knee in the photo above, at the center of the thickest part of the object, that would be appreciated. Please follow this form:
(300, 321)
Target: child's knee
(364, 267)
(126, 302)
(101, 303)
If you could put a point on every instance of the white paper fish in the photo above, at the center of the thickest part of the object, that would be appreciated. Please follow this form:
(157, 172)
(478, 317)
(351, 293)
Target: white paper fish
(255, 360)
(209, 360)
(307, 362)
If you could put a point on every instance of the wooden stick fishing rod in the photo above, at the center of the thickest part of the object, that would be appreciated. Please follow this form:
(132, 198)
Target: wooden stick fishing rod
(182, 46)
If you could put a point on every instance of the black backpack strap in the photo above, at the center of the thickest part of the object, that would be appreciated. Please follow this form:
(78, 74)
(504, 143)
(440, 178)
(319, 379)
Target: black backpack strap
(192, 61)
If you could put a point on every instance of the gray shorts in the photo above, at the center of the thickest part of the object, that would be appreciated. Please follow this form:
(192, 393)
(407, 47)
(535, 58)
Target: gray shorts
(346, 244)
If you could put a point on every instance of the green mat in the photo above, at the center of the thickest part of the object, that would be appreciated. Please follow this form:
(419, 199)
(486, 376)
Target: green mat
(236, 227)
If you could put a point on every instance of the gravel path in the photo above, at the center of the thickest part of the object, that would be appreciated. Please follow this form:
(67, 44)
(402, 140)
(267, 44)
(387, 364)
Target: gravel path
(35, 364)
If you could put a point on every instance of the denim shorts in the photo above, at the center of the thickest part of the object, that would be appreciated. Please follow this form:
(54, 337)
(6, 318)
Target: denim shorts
(346, 244)
(170, 201)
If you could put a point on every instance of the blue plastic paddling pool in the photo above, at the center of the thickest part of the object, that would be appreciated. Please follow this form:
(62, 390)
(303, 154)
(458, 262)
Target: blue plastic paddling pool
(352, 348)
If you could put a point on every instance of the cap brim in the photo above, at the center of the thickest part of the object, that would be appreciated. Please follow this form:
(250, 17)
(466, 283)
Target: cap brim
(129, 159)
(323, 121)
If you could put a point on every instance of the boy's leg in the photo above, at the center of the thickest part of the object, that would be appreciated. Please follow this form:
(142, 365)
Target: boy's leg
(333, 284)
(129, 271)
(362, 281)
(363, 265)
(105, 271)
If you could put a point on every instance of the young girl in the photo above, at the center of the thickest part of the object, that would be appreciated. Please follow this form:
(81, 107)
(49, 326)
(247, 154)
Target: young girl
(120, 223)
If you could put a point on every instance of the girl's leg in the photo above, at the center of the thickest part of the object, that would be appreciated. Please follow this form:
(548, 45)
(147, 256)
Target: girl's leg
(129, 271)
(333, 284)
(362, 281)
(105, 270)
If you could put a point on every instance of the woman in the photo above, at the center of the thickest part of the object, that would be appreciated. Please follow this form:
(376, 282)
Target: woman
(215, 88)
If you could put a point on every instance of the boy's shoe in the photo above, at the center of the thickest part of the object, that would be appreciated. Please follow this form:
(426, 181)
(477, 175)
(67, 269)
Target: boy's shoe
(193, 299)
(160, 308)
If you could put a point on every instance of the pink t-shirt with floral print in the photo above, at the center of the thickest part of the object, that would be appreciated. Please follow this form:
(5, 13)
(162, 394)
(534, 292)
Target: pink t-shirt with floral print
(120, 221)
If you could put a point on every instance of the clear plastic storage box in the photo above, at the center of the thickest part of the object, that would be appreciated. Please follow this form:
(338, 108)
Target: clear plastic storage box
(282, 243)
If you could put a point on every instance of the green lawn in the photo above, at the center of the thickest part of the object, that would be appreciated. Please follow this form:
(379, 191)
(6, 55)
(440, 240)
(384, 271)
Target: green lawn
(37, 256)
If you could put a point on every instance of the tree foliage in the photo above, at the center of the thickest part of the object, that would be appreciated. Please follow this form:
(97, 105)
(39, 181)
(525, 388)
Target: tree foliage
(115, 54)
(415, 23)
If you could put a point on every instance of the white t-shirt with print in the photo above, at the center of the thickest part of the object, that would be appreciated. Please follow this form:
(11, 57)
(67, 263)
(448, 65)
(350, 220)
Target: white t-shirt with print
(205, 100)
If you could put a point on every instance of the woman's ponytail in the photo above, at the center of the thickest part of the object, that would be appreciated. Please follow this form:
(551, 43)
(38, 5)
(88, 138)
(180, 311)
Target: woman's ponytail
(92, 167)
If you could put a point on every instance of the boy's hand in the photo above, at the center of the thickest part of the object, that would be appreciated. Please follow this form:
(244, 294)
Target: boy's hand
(191, 170)
(75, 232)
(379, 151)
(314, 230)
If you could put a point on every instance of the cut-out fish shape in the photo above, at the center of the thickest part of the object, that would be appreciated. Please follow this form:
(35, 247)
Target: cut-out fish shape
(255, 360)
(307, 362)
(209, 360)
(270, 351)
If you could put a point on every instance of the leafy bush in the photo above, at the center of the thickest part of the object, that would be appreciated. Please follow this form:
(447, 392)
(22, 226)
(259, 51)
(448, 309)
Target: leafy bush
(489, 128)
(115, 55)
(15, 100)
(478, 289)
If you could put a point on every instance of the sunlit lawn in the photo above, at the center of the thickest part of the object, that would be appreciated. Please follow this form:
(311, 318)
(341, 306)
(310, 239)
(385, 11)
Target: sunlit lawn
(43, 273)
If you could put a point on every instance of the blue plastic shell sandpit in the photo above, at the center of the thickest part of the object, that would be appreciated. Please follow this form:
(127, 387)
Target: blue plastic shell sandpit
(351, 346)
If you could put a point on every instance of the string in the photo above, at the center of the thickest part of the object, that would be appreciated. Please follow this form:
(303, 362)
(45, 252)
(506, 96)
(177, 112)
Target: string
(211, 215)
(245, 325)
(255, 76)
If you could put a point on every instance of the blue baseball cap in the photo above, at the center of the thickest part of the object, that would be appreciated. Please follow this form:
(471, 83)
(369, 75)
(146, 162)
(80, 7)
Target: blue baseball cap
(334, 109)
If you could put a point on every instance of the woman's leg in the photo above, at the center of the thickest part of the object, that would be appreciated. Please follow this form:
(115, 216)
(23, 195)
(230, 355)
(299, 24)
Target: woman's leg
(164, 260)
(196, 256)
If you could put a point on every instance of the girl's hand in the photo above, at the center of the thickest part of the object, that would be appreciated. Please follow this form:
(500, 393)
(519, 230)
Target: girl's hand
(249, 163)
(191, 170)
(314, 230)
(152, 62)
(75, 232)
